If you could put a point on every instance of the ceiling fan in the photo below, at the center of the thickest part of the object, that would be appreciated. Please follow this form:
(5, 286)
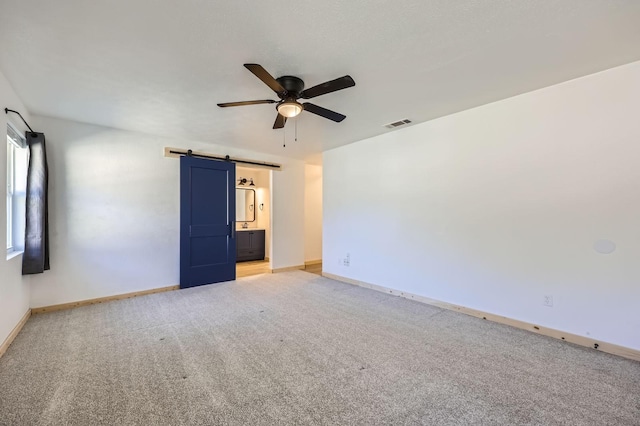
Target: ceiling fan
(289, 89)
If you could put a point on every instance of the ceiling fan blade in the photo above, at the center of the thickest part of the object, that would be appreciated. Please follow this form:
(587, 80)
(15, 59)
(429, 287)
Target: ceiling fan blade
(232, 104)
(328, 87)
(323, 112)
(279, 123)
(266, 78)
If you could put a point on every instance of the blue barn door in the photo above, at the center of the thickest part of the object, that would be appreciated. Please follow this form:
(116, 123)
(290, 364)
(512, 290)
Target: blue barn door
(207, 221)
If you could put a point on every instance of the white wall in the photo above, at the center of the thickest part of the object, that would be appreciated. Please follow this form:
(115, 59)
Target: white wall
(14, 288)
(287, 215)
(312, 212)
(495, 207)
(114, 212)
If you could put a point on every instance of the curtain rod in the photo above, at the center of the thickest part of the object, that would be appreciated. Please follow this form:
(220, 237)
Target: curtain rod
(7, 111)
(190, 153)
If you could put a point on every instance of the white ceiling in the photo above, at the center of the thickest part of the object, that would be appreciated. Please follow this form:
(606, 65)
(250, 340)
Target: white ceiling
(161, 66)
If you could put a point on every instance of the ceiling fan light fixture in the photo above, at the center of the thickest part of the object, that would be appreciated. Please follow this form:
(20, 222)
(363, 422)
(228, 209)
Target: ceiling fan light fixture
(289, 108)
(289, 89)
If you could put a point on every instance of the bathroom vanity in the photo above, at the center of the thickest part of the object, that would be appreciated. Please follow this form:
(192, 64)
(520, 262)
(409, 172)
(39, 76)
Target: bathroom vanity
(249, 244)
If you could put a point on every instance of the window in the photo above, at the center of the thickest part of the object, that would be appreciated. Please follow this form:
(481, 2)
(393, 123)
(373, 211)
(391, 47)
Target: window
(17, 163)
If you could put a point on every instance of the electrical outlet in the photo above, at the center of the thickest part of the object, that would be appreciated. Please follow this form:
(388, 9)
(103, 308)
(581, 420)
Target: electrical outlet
(548, 301)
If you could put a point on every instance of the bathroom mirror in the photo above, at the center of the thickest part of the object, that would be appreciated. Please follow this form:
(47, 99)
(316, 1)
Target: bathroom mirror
(245, 205)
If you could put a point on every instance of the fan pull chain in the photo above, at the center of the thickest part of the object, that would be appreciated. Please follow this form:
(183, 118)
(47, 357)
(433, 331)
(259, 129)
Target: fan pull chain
(284, 139)
(296, 129)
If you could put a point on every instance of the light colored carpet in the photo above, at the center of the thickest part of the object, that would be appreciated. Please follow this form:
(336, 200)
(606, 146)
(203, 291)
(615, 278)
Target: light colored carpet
(296, 348)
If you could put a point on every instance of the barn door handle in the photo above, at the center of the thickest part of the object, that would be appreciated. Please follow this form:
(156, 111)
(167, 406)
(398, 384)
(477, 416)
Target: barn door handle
(233, 229)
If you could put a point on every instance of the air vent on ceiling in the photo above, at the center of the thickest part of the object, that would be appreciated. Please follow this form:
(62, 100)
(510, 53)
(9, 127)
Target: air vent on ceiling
(397, 123)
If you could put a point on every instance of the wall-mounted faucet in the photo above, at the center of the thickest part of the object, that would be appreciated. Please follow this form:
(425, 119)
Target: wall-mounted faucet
(245, 225)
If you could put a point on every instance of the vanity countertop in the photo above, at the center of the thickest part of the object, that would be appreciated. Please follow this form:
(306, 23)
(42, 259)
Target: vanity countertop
(249, 229)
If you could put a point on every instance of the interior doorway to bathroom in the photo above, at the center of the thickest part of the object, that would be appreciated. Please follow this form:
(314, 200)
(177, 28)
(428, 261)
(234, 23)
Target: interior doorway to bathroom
(253, 221)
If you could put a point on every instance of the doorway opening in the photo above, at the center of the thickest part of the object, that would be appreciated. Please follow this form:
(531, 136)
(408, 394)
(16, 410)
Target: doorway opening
(253, 221)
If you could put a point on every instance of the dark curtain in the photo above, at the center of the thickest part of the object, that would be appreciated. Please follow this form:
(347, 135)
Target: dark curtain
(35, 259)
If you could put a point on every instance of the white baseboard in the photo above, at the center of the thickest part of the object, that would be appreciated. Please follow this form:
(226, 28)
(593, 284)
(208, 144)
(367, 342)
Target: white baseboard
(557, 334)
